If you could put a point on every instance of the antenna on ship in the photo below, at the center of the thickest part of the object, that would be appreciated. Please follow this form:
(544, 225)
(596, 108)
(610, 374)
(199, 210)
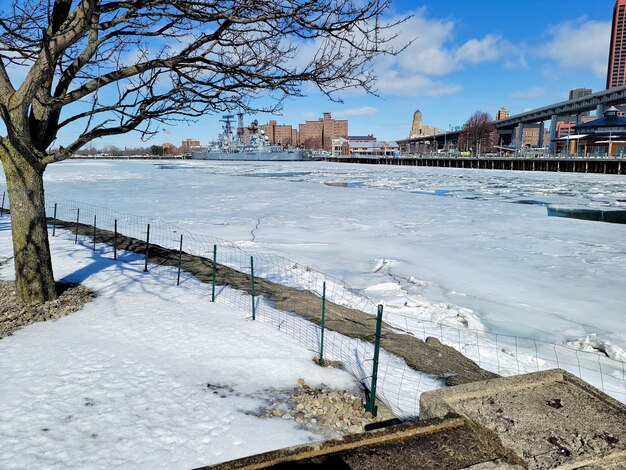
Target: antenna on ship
(240, 128)
(227, 119)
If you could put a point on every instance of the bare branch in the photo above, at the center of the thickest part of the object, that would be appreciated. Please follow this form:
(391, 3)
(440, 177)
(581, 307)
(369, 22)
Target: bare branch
(6, 88)
(118, 66)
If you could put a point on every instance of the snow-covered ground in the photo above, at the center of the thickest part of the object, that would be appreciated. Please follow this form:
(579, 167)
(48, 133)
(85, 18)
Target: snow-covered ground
(476, 246)
(123, 383)
(472, 250)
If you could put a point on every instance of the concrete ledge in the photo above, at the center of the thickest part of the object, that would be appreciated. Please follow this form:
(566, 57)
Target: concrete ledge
(451, 444)
(551, 419)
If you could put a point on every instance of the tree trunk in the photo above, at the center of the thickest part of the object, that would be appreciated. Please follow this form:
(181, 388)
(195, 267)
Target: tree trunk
(33, 264)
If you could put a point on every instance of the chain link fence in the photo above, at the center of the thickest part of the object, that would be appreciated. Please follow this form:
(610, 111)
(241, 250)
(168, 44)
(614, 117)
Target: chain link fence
(221, 270)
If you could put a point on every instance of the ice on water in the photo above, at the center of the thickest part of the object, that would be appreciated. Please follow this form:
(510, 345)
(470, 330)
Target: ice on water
(479, 242)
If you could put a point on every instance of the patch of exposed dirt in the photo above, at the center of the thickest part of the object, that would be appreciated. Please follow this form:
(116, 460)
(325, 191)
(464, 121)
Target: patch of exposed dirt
(322, 410)
(14, 314)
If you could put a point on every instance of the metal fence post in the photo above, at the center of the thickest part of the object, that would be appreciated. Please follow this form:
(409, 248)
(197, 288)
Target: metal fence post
(77, 220)
(180, 256)
(252, 278)
(371, 404)
(4, 193)
(145, 268)
(323, 319)
(94, 233)
(214, 273)
(54, 220)
(115, 240)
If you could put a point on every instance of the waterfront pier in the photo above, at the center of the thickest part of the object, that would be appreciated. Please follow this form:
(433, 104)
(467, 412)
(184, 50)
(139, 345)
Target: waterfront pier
(602, 165)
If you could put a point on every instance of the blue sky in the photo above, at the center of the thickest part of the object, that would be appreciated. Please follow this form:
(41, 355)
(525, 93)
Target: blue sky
(479, 55)
(467, 56)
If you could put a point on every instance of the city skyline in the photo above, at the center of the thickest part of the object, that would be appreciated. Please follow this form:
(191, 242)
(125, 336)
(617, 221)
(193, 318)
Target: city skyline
(464, 58)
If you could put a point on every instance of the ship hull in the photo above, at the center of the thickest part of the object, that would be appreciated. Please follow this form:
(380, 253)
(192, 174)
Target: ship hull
(286, 156)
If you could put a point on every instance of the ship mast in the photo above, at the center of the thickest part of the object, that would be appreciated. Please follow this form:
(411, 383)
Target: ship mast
(240, 129)
(227, 119)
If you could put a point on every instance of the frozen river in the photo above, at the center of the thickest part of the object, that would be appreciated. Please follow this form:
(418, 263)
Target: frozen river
(453, 239)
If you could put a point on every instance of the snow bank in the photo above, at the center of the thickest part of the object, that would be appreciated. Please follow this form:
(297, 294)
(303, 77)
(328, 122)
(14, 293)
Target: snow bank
(124, 383)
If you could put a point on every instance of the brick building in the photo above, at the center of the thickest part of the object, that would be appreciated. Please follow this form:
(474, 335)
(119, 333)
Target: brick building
(320, 134)
(311, 134)
(564, 129)
(566, 126)
(188, 144)
(280, 134)
(295, 138)
(502, 113)
(530, 135)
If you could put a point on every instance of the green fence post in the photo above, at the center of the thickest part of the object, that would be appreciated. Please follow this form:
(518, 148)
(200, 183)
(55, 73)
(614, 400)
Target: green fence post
(4, 193)
(54, 220)
(115, 240)
(180, 257)
(214, 273)
(77, 220)
(371, 404)
(323, 318)
(145, 268)
(94, 233)
(252, 278)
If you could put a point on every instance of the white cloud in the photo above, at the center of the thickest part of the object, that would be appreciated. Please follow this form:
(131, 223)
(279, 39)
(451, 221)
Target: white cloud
(432, 54)
(403, 84)
(478, 51)
(581, 44)
(532, 92)
(427, 53)
(364, 111)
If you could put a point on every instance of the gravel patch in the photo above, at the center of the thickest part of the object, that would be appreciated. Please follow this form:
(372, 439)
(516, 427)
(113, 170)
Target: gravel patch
(324, 411)
(14, 314)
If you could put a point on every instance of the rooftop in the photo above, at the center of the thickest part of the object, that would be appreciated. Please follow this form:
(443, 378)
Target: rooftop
(361, 137)
(610, 119)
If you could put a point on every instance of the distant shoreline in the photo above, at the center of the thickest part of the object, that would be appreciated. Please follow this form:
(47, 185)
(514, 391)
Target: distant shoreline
(130, 157)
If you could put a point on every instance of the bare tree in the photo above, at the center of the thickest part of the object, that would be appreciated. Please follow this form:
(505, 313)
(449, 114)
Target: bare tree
(478, 133)
(108, 67)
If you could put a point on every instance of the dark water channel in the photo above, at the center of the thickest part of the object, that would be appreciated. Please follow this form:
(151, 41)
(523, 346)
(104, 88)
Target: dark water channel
(597, 215)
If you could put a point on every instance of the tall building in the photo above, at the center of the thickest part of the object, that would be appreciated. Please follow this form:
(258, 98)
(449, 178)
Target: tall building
(311, 134)
(502, 113)
(295, 141)
(188, 144)
(320, 134)
(530, 135)
(579, 93)
(419, 129)
(279, 134)
(333, 128)
(617, 53)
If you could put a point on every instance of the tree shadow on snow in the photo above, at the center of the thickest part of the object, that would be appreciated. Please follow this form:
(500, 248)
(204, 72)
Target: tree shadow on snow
(126, 274)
